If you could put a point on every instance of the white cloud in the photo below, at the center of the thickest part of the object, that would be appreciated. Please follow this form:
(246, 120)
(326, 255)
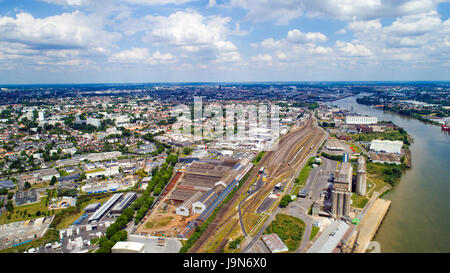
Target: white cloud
(187, 29)
(141, 55)
(65, 31)
(134, 2)
(355, 50)
(364, 26)
(271, 43)
(262, 58)
(68, 39)
(297, 47)
(207, 37)
(296, 36)
(415, 24)
(293, 37)
(418, 37)
(281, 55)
(282, 11)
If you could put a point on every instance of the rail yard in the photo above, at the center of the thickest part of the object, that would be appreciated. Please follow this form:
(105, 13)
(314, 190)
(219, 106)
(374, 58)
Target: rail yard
(280, 166)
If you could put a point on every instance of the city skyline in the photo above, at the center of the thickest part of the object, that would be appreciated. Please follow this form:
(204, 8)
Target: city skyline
(136, 41)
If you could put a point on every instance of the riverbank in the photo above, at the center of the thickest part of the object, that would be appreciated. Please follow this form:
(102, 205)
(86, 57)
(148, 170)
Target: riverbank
(419, 202)
(424, 115)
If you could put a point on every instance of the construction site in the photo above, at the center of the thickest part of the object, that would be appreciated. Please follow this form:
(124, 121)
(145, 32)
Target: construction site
(191, 197)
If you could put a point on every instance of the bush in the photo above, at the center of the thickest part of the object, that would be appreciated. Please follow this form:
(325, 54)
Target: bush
(235, 243)
(285, 201)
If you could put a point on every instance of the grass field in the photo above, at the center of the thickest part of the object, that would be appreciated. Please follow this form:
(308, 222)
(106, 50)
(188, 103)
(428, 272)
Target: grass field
(359, 201)
(161, 222)
(290, 230)
(314, 232)
(302, 177)
(26, 212)
(375, 175)
(355, 148)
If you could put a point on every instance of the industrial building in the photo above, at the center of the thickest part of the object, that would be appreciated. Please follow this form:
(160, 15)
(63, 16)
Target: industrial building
(342, 190)
(330, 238)
(128, 247)
(104, 208)
(274, 243)
(25, 197)
(8, 184)
(201, 176)
(334, 145)
(206, 200)
(386, 146)
(125, 202)
(211, 201)
(92, 207)
(186, 206)
(385, 158)
(361, 176)
(360, 120)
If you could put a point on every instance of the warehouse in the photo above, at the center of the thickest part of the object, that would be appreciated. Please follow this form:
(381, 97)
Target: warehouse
(103, 209)
(330, 238)
(186, 206)
(92, 207)
(385, 158)
(274, 243)
(128, 247)
(360, 120)
(334, 145)
(125, 202)
(25, 197)
(206, 200)
(386, 146)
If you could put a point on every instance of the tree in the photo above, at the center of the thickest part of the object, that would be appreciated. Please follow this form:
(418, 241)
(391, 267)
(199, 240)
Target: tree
(285, 201)
(53, 181)
(10, 206)
(27, 185)
(187, 150)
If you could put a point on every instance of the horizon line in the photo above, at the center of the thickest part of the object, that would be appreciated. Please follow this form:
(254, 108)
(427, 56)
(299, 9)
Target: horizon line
(237, 82)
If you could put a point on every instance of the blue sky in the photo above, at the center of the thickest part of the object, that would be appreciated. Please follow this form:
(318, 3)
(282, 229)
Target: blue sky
(90, 41)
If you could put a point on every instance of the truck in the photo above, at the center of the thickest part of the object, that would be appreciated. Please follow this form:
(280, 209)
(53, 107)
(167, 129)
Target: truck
(161, 242)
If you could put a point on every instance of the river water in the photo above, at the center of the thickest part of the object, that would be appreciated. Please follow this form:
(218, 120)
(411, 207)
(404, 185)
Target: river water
(419, 217)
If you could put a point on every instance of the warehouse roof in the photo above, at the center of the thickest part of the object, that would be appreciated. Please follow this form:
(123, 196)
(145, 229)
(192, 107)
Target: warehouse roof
(330, 238)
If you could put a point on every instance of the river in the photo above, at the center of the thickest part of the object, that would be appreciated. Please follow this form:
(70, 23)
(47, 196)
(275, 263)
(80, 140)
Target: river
(419, 217)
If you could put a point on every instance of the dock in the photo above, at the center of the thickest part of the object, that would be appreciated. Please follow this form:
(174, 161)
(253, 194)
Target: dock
(359, 237)
(370, 224)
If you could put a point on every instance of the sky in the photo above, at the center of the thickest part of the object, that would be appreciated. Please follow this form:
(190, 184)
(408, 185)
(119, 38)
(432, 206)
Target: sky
(96, 41)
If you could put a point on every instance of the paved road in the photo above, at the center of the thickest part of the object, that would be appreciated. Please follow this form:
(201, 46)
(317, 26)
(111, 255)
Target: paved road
(300, 208)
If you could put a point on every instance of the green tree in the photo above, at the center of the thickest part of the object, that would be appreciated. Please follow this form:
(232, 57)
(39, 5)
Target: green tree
(53, 181)
(285, 201)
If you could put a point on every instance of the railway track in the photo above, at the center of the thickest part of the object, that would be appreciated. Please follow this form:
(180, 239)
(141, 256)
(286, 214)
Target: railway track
(250, 206)
(272, 161)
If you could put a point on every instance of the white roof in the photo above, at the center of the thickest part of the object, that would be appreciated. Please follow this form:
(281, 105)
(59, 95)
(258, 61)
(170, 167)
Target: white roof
(133, 246)
(330, 238)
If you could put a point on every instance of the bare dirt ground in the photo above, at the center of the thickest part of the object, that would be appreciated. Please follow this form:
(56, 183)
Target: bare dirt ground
(164, 222)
